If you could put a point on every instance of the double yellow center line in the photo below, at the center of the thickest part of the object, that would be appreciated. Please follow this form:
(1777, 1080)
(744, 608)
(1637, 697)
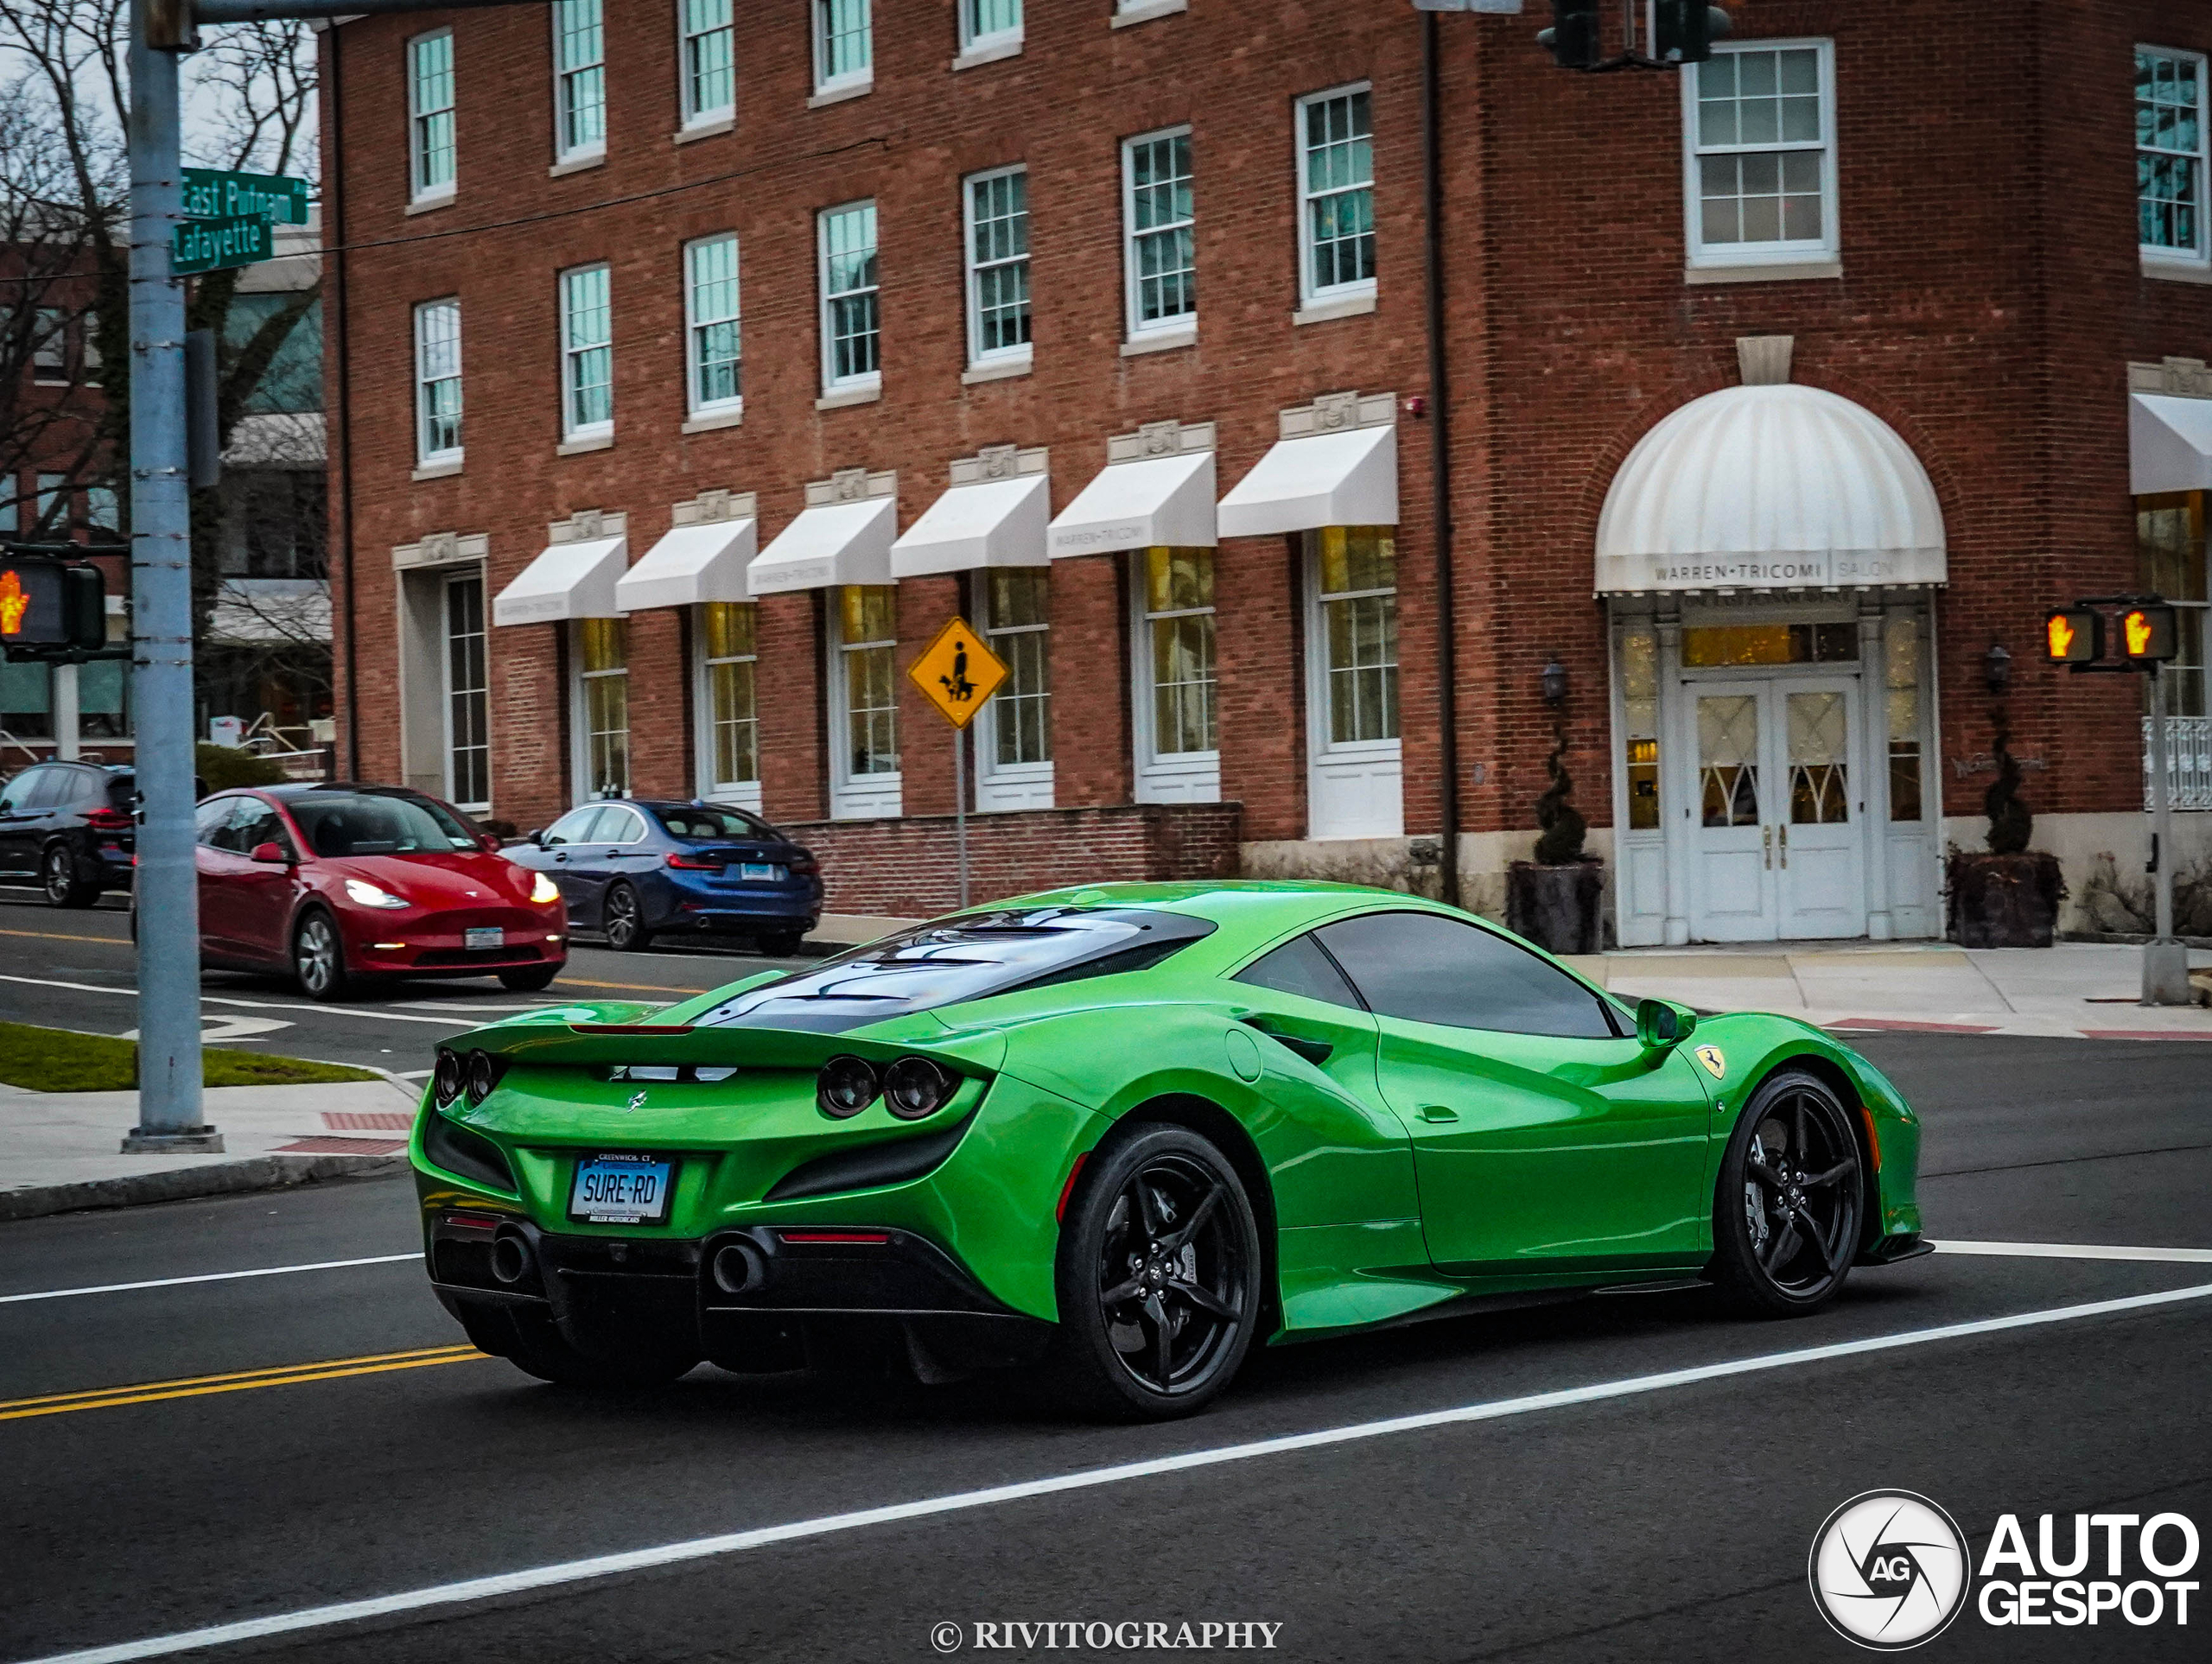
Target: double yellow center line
(108, 1398)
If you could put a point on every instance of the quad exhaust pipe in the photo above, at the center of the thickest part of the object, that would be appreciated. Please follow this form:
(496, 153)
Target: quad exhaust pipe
(511, 1260)
(738, 1268)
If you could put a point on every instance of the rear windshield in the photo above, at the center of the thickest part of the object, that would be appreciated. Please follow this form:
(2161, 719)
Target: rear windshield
(122, 793)
(697, 824)
(362, 823)
(963, 959)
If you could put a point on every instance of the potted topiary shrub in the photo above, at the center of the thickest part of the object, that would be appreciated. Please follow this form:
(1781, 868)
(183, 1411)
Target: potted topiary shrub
(2008, 896)
(1555, 899)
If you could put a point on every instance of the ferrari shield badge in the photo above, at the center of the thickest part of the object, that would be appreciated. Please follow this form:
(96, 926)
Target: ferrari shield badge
(1715, 1065)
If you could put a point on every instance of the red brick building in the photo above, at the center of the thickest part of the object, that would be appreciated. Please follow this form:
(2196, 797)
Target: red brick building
(699, 362)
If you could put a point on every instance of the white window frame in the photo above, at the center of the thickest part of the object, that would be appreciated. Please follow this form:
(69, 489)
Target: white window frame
(1181, 323)
(425, 454)
(739, 794)
(1308, 289)
(2155, 255)
(448, 693)
(421, 190)
(977, 354)
(854, 797)
(1824, 250)
(571, 351)
(1339, 774)
(831, 382)
(1182, 777)
(1000, 786)
(566, 78)
(579, 718)
(852, 81)
(694, 361)
(697, 115)
(998, 42)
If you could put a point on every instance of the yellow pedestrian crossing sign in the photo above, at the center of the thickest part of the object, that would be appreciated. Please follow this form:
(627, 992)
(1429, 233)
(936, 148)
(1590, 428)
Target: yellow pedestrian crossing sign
(957, 673)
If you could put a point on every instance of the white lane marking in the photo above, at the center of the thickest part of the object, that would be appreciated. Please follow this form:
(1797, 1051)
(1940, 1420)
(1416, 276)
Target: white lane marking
(208, 1277)
(250, 1004)
(639, 1560)
(228, 1028)
(2079, 1251)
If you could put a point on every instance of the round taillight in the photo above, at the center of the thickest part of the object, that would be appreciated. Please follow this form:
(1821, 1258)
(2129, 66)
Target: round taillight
(483, 1076)
(845, 1087)
(915, 1087)
(446, 1080)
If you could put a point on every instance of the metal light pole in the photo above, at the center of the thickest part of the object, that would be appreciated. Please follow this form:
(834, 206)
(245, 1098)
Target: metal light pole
(167, 899)
(2165, 957)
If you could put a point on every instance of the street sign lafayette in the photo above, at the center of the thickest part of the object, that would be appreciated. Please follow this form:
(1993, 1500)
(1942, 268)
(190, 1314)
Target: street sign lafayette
(210, 194)
(201, 245)
(957, 673)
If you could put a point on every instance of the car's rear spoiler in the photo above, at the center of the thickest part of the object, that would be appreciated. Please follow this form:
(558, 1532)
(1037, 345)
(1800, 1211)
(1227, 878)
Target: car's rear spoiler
(587, 1045)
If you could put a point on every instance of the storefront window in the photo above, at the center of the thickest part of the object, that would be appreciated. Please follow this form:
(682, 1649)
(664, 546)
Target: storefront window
(1718, 645)
(603, 676)
(1016, 628)
(1359, 618)
(1639, 663)
(2169, 562)
(728, 629)
(868, 644)
(1901, 655)
(1179, 621)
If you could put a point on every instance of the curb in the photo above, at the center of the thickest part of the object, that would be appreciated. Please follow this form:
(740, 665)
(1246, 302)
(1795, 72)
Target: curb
(181, 1183)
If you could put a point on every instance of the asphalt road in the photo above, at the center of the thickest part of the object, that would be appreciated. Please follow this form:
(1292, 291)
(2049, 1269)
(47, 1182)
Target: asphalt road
(1668, 1522)
(78, 969)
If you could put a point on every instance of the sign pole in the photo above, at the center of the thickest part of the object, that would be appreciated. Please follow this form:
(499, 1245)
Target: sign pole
(2166, 960)
(960, 804)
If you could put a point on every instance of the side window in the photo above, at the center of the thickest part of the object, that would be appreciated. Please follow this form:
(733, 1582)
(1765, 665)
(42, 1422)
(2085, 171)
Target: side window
(572, 827)
(257, 824)
(1427, 969)
(16, 794)
(618, 826)
(1301, 967)
(209, 820)
(52, 790)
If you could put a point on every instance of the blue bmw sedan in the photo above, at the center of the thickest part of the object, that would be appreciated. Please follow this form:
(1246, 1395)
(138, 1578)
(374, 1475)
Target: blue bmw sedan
(635, 868)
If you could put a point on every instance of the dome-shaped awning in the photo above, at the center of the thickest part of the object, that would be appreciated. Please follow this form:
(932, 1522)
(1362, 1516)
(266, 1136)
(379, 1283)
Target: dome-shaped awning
(1779, 487)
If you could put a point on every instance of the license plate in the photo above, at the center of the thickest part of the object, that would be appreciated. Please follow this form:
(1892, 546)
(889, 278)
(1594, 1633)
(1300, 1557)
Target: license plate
(621, 1190)
(758, 872)
(483, 939)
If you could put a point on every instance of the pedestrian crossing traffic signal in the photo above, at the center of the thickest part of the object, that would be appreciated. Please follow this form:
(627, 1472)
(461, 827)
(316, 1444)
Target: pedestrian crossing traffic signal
(2146, 633)
(2074, 635)
(1683, 30)
(1572, 38)
(47, 603)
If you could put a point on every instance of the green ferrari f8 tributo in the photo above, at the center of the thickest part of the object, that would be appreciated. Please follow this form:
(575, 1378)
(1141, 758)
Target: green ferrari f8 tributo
(1123, 1132)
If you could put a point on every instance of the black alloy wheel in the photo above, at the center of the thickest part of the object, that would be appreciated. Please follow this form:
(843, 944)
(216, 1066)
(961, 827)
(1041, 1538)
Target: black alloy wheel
(319, 958)
(623, 919)
(1787, 1216)
(1159, 1277)
(58, 879)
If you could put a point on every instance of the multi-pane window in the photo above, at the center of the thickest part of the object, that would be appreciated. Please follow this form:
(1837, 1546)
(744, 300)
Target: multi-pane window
(851, 322)
(468, 689)
(985, 23)
(1901, 690)
(50, 345)
(579, 79)
(1358, 595)
(709, 57)
(430, 111)
(733, 737)
(1179, 624)
(711, 324)
(1639, 682)
(2170, 561)
(998, 264)
(1336, 182)
(603, 700)
(1761, 154)
(587, 353)
(53, 503)
(437, 381)
(867, 644)
(844, 43)
(103, 513)
(2170, 187)
(1016, 627)
(1160, 214)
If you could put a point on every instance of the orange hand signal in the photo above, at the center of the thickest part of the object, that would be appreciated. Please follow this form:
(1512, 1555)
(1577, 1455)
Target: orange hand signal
(2138, 625)
(15, 601)
(2061, 635)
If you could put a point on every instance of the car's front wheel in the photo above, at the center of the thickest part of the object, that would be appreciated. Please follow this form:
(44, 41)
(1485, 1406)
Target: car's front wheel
(1159, 1277)
(319, 957)
(1787, 1213)
(58, 879)
(623, 918)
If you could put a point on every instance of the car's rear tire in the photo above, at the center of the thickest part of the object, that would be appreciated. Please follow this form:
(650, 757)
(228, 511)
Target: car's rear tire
(61, 882)
(531, 981)
(1159, 1278)
(1788, 1207)
(779, 945)
(529, 1341)
(622, 916)
(319, 957)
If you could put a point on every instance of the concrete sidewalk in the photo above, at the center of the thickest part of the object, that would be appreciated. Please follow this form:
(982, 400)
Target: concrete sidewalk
(60, 1150)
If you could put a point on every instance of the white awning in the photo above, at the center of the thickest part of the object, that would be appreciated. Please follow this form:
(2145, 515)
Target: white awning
(1770, 487)
(843, 543)
(691, 565)
(1156, 501)
(2169, 443)
(1347, 479)
(992, 523)
(568, 581)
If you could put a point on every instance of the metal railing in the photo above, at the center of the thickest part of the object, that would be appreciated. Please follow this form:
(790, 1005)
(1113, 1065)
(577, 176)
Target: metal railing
(2189, 761)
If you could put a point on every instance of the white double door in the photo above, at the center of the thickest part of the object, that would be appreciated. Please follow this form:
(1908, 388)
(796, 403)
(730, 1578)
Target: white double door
(1777, 812)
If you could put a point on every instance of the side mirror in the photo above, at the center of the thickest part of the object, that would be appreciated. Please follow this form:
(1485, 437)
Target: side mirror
(1661, 1023)
(537, 839)
(269, 854)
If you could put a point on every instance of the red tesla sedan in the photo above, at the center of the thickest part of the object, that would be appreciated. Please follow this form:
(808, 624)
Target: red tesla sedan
(340, 884)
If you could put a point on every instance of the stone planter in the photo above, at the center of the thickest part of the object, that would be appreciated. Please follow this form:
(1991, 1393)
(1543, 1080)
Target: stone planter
(2004, 901)
(1557, 908)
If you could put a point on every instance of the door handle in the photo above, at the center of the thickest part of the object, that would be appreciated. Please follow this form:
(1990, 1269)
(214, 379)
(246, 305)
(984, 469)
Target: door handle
(1784, 841)
(1766, 843)
(1438, 1112)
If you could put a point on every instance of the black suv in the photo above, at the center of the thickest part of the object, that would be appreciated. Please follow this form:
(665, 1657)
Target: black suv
(72, 827)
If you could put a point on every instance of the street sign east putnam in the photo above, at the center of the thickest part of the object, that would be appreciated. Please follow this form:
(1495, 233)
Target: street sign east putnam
(210, 194)
(201, 245)
(957, 673)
